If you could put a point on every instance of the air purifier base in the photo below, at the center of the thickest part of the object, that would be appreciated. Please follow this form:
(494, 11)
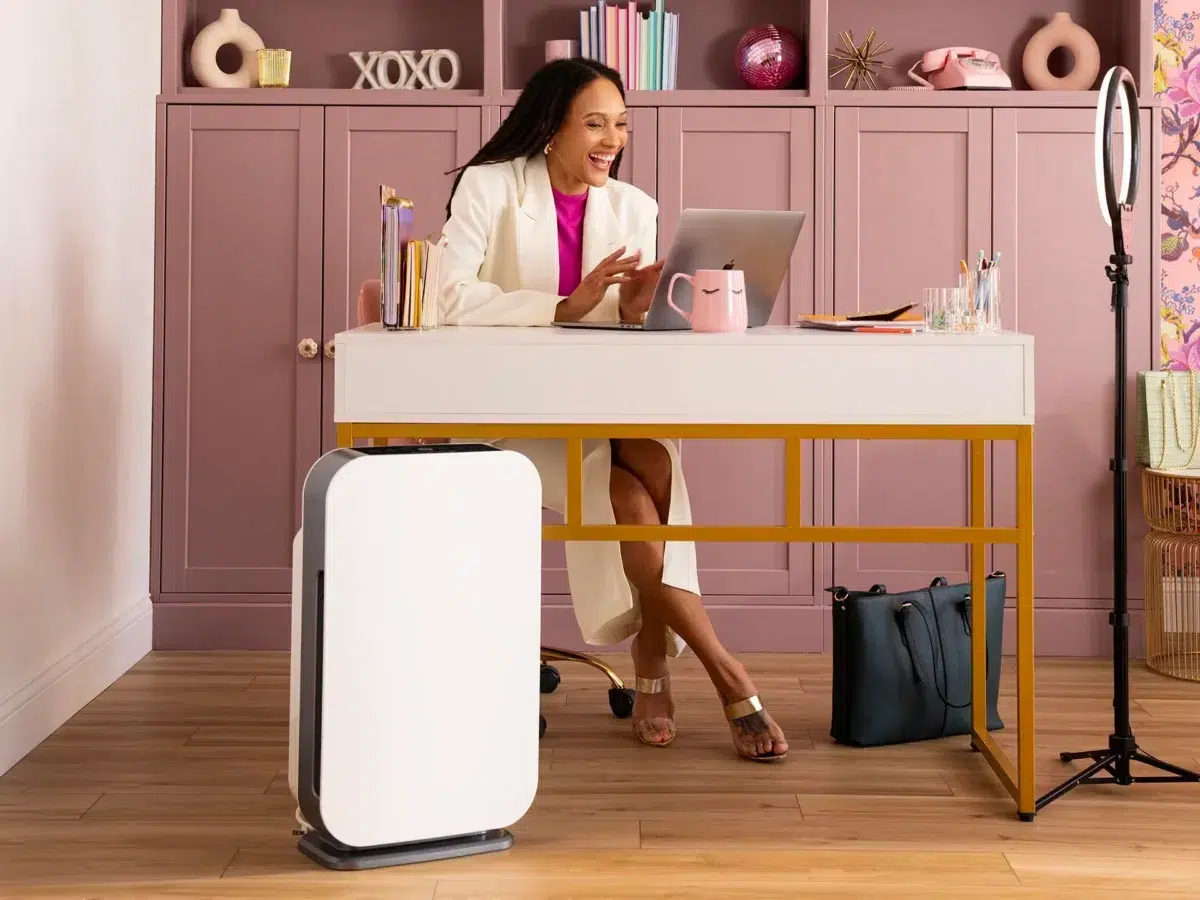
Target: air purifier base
(348, 859)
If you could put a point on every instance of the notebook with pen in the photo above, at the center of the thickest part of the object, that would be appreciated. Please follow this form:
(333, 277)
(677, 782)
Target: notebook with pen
(899, 319)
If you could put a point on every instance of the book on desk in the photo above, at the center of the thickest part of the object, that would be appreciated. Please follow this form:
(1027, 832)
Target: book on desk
(900, 320)
(409, 268)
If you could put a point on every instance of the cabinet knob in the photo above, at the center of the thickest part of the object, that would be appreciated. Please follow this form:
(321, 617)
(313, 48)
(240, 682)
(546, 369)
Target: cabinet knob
(308, 348)
(329, 349)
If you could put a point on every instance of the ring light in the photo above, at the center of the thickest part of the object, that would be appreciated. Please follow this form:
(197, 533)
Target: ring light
(1111, 764)
(1117, 86)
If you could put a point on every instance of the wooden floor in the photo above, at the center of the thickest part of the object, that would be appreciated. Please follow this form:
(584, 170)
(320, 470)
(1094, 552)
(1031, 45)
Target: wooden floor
(173, 783)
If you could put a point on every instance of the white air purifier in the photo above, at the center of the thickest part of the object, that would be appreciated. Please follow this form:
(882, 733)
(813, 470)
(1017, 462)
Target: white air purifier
(416, 627)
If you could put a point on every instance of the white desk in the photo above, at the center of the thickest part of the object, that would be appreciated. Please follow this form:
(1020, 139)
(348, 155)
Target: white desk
(781, 383)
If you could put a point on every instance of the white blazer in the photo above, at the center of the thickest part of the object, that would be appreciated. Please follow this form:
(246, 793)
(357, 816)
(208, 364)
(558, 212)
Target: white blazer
(500, 267)
(500, 264)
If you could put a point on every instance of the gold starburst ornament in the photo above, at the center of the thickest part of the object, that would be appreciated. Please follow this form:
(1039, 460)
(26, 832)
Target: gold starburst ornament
(860, 62)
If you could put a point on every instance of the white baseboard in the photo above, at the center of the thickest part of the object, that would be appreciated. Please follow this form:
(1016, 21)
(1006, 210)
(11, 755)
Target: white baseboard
(32, 713)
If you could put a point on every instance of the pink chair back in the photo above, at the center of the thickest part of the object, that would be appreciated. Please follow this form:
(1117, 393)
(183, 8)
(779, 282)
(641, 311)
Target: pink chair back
(368, 301)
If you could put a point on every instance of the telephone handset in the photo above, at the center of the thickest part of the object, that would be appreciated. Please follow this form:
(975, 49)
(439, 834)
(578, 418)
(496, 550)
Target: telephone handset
(961, 68)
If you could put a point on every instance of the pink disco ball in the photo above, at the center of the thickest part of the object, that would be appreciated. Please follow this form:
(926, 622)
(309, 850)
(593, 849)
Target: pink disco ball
(768, 57)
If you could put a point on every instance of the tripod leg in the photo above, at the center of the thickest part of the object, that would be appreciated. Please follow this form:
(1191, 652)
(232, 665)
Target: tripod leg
(1075, 780)
(1148, 760)
(1084, 754)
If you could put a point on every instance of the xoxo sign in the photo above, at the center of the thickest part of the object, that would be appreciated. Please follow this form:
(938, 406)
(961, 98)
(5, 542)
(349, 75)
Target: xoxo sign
(376, 68)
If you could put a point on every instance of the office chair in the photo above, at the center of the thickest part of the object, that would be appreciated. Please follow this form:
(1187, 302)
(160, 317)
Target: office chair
(620, 698)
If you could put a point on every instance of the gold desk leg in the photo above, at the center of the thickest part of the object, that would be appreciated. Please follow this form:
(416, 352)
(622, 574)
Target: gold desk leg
(979, 606)
(793, 481)
(574, 515)
(1027, 799)
(345, 434)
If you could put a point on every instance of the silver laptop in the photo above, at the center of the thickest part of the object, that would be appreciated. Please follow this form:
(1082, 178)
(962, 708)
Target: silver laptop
(759, 242)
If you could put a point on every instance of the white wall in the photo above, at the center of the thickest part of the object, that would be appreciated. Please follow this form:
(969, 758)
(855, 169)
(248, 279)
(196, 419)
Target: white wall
(77, 87)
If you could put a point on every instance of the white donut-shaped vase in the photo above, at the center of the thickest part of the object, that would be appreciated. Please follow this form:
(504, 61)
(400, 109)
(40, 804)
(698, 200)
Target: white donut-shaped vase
(1061, 31)
(227, 29)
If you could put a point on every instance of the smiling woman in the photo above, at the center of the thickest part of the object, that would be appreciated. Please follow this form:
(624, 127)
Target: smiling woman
(539, 232)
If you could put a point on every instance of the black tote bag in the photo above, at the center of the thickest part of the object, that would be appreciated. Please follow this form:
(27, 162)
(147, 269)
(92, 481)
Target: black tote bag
(902, 662)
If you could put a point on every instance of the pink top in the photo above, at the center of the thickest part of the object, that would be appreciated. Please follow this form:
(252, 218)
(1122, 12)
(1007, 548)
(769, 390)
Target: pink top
(570, 209)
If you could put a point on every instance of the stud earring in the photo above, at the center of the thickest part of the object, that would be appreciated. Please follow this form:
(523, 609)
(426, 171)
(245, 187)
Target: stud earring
(546, 149)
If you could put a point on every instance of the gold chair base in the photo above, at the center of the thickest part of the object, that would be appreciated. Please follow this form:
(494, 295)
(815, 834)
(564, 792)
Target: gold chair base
(553, 654)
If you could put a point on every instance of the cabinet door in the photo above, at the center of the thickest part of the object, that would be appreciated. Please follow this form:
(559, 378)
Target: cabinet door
(744, 159)
(412, 149)
(912, 197)
(1055, 288)
(242, 289)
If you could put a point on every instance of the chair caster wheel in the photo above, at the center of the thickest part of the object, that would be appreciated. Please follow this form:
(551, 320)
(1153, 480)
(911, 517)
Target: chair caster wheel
(620, 701)
(541, 727)
(550, 679)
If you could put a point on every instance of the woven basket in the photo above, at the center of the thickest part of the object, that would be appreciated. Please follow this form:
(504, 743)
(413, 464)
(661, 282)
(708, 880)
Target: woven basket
(1168, 413)
(1172, 605)
(1171, 500)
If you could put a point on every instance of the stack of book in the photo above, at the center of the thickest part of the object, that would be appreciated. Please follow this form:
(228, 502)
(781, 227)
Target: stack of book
(642, 46)
(409, 269)
(901, 320)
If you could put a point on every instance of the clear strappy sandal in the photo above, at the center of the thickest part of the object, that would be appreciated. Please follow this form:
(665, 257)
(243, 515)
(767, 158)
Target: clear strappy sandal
(742, 709)
(643, 728)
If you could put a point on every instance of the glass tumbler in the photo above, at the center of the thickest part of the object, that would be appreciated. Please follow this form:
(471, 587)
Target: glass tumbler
(943, 309)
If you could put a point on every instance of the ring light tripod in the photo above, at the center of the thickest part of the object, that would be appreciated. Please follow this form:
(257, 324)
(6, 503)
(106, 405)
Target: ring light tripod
(1116, 208)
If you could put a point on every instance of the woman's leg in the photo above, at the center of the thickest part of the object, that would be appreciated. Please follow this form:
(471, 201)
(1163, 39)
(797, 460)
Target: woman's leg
(653, 708)
(640, 489)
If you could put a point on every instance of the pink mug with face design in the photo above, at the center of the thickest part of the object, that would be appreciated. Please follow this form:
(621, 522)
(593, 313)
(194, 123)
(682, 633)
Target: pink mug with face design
(718, 300)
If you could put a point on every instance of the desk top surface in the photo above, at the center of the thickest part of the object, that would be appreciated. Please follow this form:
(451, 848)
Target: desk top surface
(769, 335)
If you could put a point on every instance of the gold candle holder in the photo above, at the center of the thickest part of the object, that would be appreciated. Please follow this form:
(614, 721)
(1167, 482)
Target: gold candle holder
(274, 68)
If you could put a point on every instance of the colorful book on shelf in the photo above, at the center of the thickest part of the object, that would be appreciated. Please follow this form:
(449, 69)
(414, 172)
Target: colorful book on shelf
(643, 47)
(901, 319)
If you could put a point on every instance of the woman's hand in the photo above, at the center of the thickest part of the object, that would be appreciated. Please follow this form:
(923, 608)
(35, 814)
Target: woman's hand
(613, 269)
(637, 291)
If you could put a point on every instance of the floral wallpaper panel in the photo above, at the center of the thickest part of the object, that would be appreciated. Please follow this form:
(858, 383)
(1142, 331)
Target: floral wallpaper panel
(1177, 81)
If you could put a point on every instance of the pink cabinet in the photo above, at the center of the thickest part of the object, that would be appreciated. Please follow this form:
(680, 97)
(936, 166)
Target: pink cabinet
(1048, 226)
(241, 418)
(912, 197)
(746, 159)
(414, 149)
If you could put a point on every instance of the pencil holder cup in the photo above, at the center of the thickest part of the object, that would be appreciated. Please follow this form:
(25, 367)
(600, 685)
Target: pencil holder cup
(981, 302)
(988, 306)
(274, 68)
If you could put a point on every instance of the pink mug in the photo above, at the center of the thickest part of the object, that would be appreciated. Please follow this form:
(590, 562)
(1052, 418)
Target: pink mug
(718, 300)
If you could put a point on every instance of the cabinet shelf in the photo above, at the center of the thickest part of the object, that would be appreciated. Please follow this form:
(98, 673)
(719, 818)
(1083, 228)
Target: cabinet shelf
(704, 98)
(322, 33)
(501, 42)
(709, 31)
(1121, 29)
(997, 99)
(291, 96)
(651, 99)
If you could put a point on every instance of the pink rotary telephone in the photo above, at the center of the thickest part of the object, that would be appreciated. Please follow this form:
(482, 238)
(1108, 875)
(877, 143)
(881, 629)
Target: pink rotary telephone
(960, 68)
